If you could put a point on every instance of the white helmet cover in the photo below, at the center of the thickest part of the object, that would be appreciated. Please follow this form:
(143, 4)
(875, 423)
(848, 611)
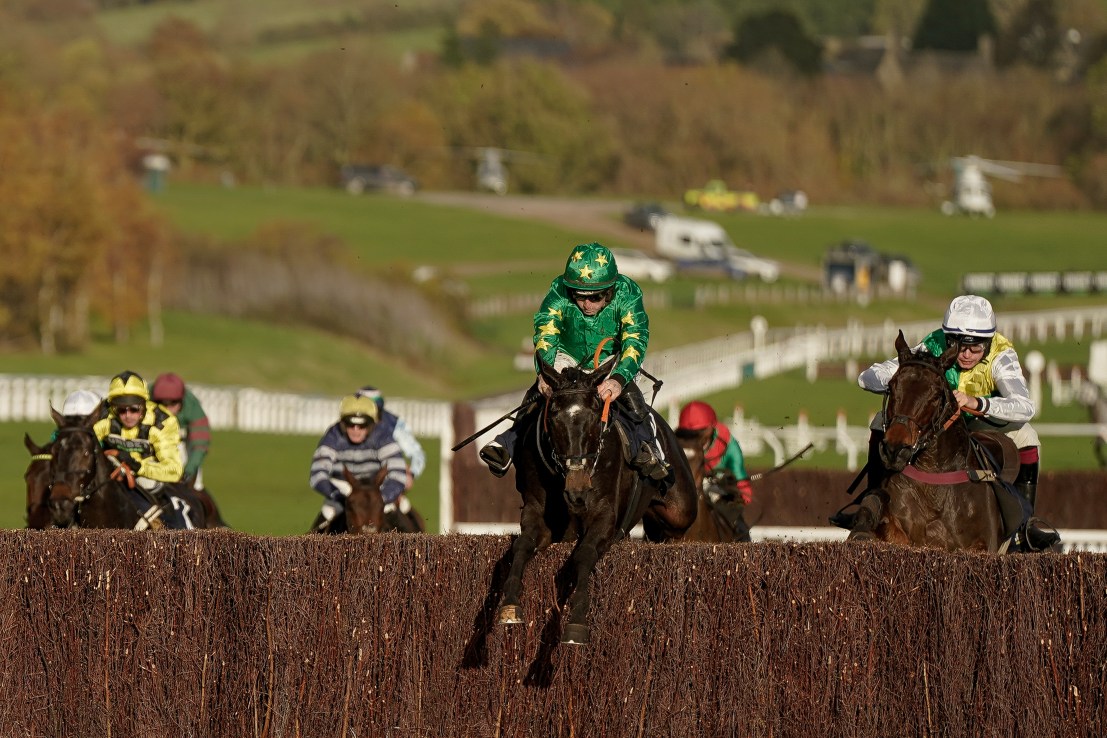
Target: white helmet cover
(970, 315)
(81, 403)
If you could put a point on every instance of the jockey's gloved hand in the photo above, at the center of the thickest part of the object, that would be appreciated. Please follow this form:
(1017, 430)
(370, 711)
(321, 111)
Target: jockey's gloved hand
(123, 473)
(331, 509)
(745, 489)
(122, 458)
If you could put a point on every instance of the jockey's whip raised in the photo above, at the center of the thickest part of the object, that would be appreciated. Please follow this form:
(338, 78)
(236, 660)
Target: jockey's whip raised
(794, 457)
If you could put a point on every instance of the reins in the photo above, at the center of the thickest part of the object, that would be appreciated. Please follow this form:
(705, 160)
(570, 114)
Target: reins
(84, 491)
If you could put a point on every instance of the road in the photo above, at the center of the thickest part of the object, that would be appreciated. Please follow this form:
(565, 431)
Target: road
(600, 217)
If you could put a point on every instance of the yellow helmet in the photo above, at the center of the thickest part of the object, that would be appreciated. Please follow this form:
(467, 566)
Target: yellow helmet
(358, 410)
(127, 388)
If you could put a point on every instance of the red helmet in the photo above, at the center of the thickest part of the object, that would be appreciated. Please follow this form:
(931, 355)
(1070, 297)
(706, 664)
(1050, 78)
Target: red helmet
(168, 387)
(696, 416)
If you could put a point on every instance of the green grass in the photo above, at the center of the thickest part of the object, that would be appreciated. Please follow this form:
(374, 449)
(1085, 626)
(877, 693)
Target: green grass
(241, 24)
(258, 480)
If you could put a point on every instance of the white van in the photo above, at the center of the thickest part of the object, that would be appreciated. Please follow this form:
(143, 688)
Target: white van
(703, 244)
(692, 242)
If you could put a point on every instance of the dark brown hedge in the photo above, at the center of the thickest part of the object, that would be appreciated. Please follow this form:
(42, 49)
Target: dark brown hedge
(1074, 499)
(224, 634)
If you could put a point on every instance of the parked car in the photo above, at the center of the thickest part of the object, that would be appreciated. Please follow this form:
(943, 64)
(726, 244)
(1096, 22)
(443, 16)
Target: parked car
(645, 215)
(741, 263)
(642, 267)
(359, 178)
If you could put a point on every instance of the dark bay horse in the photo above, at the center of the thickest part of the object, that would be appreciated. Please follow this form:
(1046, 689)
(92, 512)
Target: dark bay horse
(715, 491)
(572, 472)
(37, 479)
(82, 494)
(364, 511)
(927, 498)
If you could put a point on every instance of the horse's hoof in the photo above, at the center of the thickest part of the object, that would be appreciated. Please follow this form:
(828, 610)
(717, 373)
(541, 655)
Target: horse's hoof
(510, 615)
(575, 634)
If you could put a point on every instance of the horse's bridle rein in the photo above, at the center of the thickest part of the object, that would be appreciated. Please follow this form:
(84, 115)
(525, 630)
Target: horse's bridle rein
(940, 422)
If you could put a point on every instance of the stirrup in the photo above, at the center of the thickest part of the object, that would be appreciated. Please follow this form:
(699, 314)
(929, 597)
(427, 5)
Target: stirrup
(1038, 539)
(843, 519)
(649, 465)
(496, 457)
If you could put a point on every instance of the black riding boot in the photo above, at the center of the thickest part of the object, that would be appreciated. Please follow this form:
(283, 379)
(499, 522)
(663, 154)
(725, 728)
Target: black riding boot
(1035, 538)
(876, 473)
(172, 516)
(649, 459)
(731, 511)
(497, 453)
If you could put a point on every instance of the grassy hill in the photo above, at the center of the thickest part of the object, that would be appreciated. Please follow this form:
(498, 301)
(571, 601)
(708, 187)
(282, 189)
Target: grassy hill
(261, 480)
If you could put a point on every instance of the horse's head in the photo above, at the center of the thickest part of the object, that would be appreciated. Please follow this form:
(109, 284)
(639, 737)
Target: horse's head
(364, 505)
(37, 480)
(73, 469)
(575, 426)
(918, 404)
(694, 444)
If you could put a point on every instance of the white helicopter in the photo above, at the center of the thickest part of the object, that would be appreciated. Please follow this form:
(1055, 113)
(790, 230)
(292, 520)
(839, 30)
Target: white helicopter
(972, 195)
(491, 172)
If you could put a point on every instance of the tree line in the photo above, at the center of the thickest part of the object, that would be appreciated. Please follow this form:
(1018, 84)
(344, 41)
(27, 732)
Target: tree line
(613, 115)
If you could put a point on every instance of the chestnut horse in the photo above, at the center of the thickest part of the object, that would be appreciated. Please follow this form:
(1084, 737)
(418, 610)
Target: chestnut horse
(715, 490)
(364, 511)
(572, 472)
(927, 497)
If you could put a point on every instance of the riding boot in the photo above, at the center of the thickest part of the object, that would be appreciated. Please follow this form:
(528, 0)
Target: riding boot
(876, 474)
(497, 453)
(731, 512)
(173, 516)
(1034, 537)
(650, 458)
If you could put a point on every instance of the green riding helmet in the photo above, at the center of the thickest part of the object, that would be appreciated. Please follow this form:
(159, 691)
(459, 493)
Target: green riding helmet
(591, 267)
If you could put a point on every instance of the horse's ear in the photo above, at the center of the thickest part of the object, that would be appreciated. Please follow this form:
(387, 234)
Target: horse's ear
(551, 375)
(33, 447)
(949, 356)
(59, 419)
(349, 476)
(901, 345)
(95, 416)
(604, 369)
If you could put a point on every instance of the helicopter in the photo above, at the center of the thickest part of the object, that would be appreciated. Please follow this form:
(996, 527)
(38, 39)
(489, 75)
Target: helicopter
(972, 194)
(491, 170)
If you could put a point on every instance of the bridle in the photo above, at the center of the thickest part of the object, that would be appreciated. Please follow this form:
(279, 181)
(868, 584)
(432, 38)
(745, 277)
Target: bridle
(940, 422)
(566, 463)
(85, 488)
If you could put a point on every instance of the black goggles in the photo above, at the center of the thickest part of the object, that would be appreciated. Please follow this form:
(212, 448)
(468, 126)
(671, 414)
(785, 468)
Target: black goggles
(588, 296)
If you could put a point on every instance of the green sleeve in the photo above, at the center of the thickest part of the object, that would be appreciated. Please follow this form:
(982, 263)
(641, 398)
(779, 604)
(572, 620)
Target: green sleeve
(734, 461)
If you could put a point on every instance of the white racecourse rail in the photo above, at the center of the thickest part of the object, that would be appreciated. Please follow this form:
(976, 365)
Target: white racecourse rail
(688, 372)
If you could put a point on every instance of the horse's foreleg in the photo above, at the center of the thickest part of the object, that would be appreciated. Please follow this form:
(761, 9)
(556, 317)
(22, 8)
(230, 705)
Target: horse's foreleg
(584, 558)
(534, 536)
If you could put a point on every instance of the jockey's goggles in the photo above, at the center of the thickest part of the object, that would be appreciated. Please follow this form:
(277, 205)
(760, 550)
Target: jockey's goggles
(357, 421)
(125, 409)
(588, 296)
(958, 339)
